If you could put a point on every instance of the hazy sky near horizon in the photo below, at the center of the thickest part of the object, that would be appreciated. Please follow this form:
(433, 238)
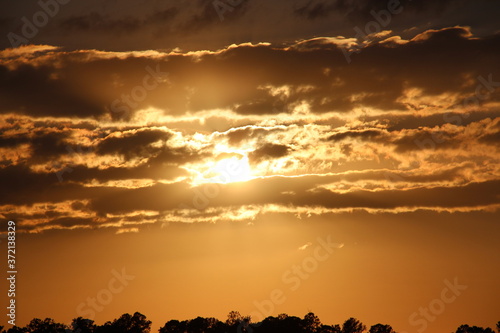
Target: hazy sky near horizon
(344, 153)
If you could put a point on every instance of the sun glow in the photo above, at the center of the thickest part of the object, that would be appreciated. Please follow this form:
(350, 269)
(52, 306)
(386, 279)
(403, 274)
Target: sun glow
(230, 170)
(229, 166)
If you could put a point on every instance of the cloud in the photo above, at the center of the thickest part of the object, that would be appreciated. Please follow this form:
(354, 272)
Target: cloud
(268, 150)
(307, 192)
(197, 25)
(405, 126)
(134, 143)
(207, 14)
(383, 78)
(365, 135)
(126, 230)
(305, 246)
(360, 10)
(97, 22)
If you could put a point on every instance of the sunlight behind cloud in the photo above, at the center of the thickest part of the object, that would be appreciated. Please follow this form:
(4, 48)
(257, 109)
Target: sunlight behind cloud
(228, 166)
(230, 170)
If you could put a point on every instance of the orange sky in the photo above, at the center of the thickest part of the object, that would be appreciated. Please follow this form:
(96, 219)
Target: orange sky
(381, 268)
(237, 163)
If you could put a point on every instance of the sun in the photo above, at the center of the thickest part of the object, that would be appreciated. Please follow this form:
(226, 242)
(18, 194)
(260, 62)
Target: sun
(230, 170)
(229, 165)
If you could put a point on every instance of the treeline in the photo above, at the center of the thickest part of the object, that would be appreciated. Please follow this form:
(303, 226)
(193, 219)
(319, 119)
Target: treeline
(235, 323)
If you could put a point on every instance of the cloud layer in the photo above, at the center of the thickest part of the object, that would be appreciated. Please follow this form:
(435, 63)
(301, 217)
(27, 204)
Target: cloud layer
(92, 138)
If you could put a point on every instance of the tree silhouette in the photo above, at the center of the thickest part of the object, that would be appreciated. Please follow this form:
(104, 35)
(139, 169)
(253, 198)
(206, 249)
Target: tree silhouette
(82, 325)
(272, 324)
(197, 325)
(47, 325)
(204, 325)
(127, 324)
(173, 326)
(379, 328)
(330, 329)
(282, 316)
(17, 329)
(244, 325)
(292, 324)
(473, 329)
(353, 325)
(235, 323)
(233, 318)
(311, 323)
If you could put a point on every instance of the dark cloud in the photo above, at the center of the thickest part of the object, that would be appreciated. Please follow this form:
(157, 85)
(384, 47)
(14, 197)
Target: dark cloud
(148, 171)
(68, 222)
(410, 121)
(133, 145)
(159, 197)
(129, 25)
(47, 146)
(139, 144)
(239, 135)
(33, 90)
(444, 197)
(43, 144)
(364, 135)
(360, 10)
(268, 151)
(437, 137)
(211, 12)
(23, 186)
(427, 139)
(89, 85)
(5, 23)
(98, 22)
(12, 141)
(492, 138)
(300, 192)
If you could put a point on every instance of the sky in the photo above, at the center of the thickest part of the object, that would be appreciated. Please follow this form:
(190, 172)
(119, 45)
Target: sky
(191, 158)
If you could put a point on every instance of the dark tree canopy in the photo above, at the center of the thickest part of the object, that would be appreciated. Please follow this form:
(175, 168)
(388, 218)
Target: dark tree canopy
(235, 323)
(473, 329)
(379, 328)
(311, 323)
(17, 329)
(353, 325)
(82, 325)
(45, 326)
(127, 324)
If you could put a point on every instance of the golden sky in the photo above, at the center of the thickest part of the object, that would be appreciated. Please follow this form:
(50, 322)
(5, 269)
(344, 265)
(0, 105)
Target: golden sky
(183, 160)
